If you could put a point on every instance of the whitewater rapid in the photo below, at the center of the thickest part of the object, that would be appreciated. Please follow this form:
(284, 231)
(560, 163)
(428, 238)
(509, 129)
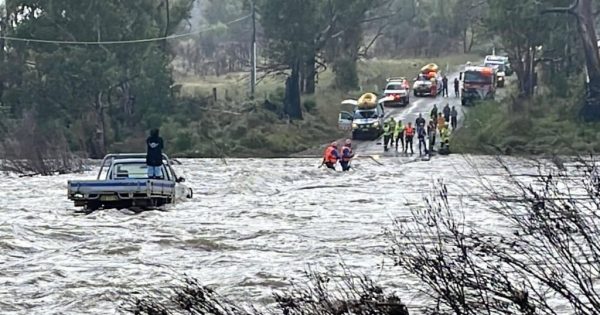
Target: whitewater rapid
(253, 225)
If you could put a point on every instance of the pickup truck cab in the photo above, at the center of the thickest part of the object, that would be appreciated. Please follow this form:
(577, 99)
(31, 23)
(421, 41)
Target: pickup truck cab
(122, 182)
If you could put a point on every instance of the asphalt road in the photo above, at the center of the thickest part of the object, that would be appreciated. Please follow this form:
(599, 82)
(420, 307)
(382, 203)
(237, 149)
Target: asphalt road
(418, 105)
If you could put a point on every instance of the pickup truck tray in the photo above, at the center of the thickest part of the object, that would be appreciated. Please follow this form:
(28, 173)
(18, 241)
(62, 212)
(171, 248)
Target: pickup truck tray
(120, 189)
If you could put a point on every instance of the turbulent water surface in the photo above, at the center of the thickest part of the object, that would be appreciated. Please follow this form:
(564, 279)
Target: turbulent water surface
(252, 226)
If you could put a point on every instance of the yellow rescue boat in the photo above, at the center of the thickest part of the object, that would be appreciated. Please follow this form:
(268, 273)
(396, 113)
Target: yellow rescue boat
(367, 100)
(432, 67)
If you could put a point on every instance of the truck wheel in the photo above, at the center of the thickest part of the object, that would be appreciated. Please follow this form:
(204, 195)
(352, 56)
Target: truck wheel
(191, 194)
(354, 136)
(93, 205)
(415, 93)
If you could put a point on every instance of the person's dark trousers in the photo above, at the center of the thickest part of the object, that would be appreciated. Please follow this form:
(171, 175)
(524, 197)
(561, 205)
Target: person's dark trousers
(345, 166)
(330, 165)
(454, 122)
(456, 93)
(433, 140)
(447, 118)
(409, 141)
(400, 138)
(387, 140)
(422, 142)
(445, 91)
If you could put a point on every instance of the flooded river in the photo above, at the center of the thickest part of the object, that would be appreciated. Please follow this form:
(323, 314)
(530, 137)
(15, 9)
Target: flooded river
(253, 224)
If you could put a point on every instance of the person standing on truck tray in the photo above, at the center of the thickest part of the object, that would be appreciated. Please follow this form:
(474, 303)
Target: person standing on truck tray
(388, 133)
(409, 133)
(445, 86)
(422, 134)
(453, 118)
(456, 87)
(441, 122)
(154, 158)
(347, 155)
(447, 112)
(399, 134)
(331, 156)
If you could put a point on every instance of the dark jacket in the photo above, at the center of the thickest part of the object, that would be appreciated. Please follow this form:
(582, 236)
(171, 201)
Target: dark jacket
(456, 84)
(447, 111)
(154, 147)
(420, 122)
(453, 113)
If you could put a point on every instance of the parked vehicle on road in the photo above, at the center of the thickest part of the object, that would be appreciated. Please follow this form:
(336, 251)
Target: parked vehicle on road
(478, 83)
(122, 182)
(428, 81)
(365, 121)
(396, 92)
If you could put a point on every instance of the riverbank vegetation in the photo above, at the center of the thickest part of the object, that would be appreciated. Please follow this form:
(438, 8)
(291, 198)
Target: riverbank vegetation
(540, 258)
(545, 125)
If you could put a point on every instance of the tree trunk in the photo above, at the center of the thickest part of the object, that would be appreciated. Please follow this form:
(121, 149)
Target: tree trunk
(465, 39)
(585, 17)
(311, 73)
(292, 93)
(98, 142)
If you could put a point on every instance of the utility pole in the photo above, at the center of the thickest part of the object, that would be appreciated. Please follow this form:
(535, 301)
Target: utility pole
(253, 53)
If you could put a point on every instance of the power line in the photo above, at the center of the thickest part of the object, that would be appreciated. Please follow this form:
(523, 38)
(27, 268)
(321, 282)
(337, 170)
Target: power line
(117, 42)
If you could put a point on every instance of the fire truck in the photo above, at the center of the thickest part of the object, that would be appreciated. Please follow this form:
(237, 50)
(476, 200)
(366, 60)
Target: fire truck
(478, 83)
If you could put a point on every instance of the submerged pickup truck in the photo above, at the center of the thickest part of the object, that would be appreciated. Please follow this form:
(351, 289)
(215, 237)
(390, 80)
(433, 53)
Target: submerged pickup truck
(123, 182)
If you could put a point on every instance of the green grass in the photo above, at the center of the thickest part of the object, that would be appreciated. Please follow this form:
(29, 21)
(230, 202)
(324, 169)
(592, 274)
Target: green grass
(540, 126)
(259, 131)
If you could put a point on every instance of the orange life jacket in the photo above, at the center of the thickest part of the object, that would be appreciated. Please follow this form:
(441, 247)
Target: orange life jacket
(346, 159)
(441, 122)
(409, 131)
(329, 156)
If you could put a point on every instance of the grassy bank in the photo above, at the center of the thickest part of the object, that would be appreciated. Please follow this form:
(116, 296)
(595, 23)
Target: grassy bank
(235, 127)
(544, 125)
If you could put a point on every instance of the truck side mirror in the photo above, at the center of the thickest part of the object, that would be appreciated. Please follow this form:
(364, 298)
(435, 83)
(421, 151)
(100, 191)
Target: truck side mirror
(180, 180)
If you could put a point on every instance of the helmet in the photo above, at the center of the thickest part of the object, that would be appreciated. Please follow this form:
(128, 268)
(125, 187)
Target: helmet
(348, 141)
(334, 144)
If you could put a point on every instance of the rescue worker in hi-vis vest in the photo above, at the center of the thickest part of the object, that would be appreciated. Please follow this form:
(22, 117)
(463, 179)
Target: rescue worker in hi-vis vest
(331, 156)
(347, 155)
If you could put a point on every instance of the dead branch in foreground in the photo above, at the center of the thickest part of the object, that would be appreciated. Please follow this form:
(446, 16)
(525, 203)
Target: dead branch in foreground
(316, 294)
(551, 254)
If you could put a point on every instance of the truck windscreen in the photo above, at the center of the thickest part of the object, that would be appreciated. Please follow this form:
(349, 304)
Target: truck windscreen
(365, 114)
(477, 77)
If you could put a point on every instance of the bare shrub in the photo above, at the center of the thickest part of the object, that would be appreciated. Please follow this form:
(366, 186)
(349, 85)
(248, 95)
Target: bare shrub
(319, 295)
(28, 150)
(548, 259)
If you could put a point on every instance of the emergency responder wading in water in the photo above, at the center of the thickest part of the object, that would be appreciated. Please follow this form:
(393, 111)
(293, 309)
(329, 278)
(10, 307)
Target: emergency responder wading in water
(347, 155)
(331, 156)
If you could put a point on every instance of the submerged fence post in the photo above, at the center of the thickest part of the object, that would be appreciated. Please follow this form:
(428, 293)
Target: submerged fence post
(214, 93)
